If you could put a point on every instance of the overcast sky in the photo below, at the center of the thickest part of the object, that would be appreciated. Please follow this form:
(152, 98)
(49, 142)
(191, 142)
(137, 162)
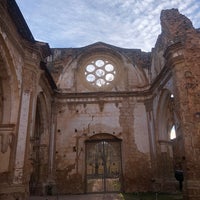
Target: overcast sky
(123, 23)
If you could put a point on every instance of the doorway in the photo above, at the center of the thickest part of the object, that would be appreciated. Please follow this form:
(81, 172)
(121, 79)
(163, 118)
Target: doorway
(103, 166)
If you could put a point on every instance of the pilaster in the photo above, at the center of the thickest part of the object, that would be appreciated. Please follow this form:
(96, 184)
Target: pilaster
(22, 164)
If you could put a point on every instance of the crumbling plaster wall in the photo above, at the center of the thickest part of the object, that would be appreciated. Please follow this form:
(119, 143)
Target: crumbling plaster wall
(186, 77)
(77, 122)
(89, 113)
(175, 53)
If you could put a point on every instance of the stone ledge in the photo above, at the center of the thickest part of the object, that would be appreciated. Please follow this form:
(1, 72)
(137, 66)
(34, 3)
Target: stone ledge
(8, 189)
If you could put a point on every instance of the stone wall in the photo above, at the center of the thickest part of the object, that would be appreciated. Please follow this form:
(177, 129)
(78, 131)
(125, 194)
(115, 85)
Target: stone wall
(77, 122)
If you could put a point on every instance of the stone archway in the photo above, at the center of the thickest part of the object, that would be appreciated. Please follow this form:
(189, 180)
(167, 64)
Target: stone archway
(40, 148)
(35, 176)
(8, 112)
(5, 93)
(166, 119)
(103, 164)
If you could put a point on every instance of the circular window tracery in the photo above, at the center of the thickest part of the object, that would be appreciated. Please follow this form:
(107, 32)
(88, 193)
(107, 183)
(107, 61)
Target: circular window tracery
(100, 72)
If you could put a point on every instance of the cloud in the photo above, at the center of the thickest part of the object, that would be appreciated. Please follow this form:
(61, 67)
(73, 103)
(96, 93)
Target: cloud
(124, 23)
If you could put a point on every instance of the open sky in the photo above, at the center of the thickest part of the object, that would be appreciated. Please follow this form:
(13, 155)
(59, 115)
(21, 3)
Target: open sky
(131, 24)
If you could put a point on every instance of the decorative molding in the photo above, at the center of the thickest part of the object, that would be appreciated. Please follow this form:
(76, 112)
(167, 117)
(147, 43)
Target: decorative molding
(6, 136)
(29, 80)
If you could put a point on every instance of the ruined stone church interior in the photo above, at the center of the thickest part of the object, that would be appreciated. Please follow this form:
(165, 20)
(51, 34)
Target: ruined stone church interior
(99, 118)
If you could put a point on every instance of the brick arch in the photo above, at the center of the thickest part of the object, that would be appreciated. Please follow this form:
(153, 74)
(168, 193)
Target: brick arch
(9, 91)
(165, 114)
(9, 110)
(165, 154)
(40, 144)
(42, 118)
(103, 136)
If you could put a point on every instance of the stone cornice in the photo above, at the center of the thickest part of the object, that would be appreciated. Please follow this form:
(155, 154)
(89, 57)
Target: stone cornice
(174, 54)
(98, 96)
(144, 95)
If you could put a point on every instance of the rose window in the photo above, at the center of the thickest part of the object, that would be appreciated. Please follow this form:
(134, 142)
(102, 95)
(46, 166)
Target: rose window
(100, 73)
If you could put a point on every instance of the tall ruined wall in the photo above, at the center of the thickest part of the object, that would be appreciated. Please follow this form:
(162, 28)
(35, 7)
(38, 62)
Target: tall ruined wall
(20, 58)
(176, 56)
(174, 27)
(183, 56)
(85, 110)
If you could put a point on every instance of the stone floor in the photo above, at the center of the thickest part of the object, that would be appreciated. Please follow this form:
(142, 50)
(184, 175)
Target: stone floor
(81, 197)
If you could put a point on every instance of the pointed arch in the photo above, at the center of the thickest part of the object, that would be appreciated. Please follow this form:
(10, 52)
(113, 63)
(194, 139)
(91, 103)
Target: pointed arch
(10, 90)
(40, 146)
(165, 115)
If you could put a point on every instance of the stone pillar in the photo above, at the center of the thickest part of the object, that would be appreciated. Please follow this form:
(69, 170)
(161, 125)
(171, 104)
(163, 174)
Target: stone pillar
(152, 143)
(151, 128)
(185, 63)
(52, 144)
(22, 135)
(126, 120)
(20, 177)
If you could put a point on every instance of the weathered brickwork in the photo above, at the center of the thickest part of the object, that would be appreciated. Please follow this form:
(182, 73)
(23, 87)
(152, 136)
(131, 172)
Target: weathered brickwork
(98, 118)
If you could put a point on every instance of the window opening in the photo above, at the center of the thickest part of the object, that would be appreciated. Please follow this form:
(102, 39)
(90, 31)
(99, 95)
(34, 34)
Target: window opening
(100, 72)
(173, 133)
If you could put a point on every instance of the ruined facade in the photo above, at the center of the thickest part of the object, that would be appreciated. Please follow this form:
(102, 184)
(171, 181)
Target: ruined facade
(98, 118)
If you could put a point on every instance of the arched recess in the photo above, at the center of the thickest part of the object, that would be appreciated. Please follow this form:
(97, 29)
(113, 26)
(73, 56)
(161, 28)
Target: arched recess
(166, 120)
(40, 147)
(103, 164)
(9, 105)
(99, 68)
(5, 89)
(10, 91)
(165, 115)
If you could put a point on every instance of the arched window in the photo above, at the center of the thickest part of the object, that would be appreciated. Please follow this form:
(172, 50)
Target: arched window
(173, 133)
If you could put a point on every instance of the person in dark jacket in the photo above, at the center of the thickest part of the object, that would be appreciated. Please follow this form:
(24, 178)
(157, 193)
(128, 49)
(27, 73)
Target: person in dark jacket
(179, 177)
